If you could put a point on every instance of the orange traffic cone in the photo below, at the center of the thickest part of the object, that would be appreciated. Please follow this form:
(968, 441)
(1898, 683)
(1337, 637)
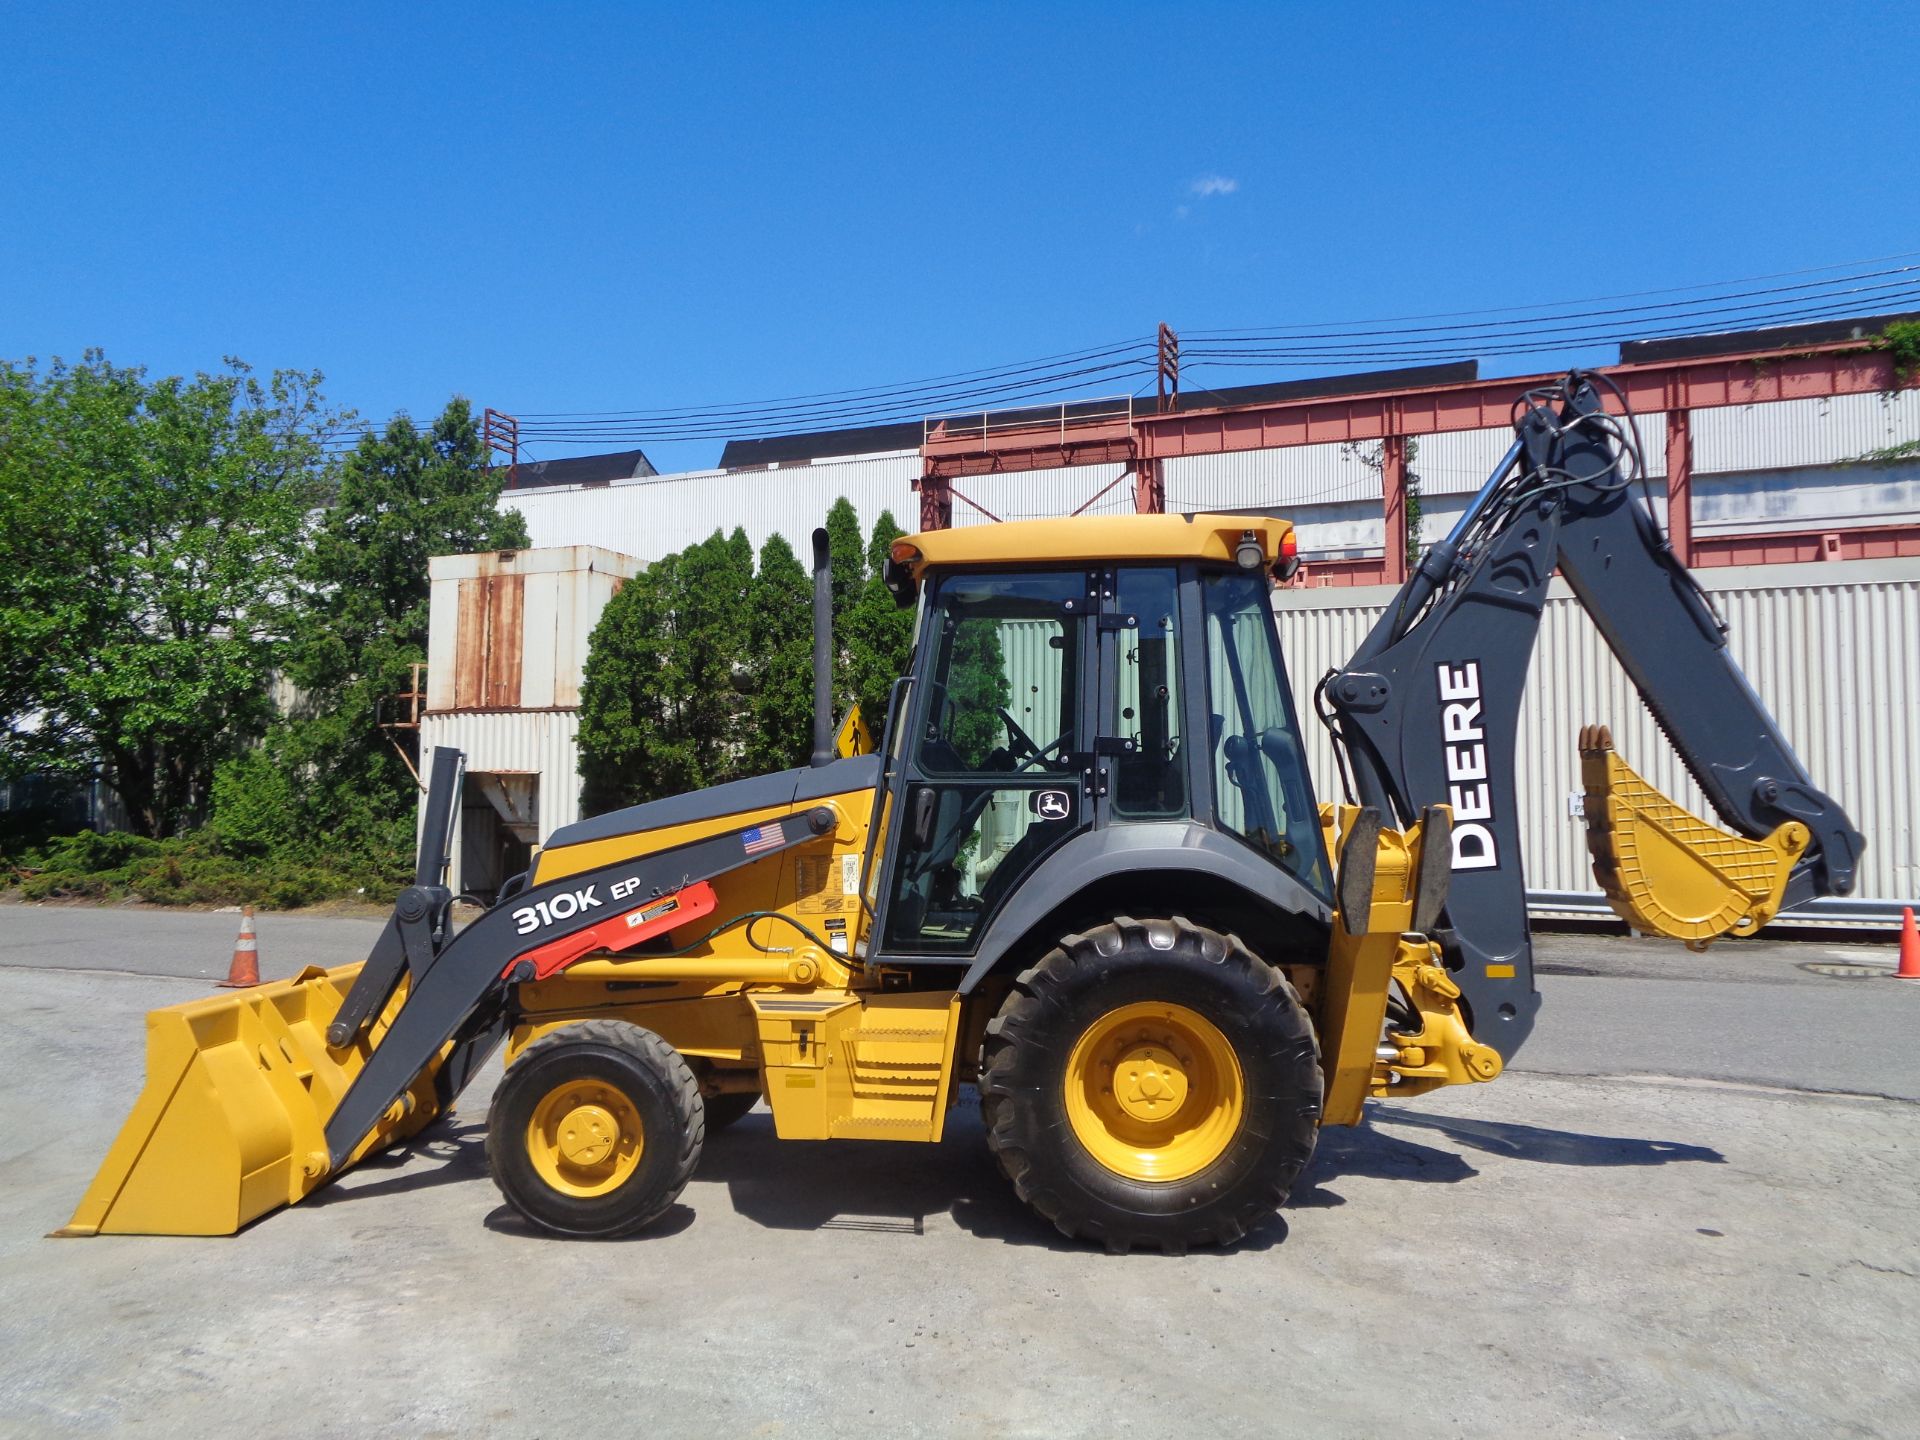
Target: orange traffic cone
(245, 969)
(1909, 949)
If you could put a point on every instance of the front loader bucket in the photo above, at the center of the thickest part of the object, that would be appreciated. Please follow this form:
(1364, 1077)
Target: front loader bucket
(230, 1124)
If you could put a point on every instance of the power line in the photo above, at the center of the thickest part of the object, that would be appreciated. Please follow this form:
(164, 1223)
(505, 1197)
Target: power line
(1338, 355)
(1550, 324)
(1597, 299)
(1720, 306)
(867, 392)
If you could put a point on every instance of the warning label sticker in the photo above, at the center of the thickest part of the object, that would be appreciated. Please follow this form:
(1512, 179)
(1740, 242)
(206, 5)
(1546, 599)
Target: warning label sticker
(816, 887)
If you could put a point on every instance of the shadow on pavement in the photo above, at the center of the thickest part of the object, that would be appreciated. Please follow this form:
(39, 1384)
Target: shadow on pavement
(1361, 1150)
(873, 1187)
(457, 1152)
(1555, 1147)
(505, 1220)
(876, 1187)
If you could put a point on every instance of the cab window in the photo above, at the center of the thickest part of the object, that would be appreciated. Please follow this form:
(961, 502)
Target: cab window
(1261, 789)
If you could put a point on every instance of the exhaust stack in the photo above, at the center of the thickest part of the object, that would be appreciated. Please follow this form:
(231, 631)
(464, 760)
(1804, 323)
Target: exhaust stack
(822, 650)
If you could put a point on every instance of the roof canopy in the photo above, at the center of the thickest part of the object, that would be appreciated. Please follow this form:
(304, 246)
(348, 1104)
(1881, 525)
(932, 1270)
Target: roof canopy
(1092, 539)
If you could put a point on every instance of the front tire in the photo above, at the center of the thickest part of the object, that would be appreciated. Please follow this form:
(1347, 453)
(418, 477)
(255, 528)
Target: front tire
(595, 1130)
(1152, 1083)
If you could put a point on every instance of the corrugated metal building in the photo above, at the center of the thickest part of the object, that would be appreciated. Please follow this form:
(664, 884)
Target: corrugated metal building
(1791, 465)
(506, 650)
(1834, 650)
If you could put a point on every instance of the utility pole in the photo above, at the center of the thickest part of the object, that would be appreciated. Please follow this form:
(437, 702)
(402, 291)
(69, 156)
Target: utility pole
(500, 434)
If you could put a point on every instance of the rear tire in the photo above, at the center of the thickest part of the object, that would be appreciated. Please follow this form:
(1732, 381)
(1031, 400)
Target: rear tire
(595, 1130)
(729, 1106)
(1152, 1083)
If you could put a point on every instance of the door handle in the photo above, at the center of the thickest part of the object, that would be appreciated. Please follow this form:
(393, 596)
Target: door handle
(920, 816)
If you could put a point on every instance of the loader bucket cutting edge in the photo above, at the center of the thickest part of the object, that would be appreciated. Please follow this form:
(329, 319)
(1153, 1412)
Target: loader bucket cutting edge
(231, 1121)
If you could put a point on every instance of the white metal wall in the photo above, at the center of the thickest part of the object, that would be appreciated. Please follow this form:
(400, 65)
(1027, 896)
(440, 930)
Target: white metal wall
(1787, 433)
(1832, 649)
(538, 742)
(1042, 494)
(658, 515)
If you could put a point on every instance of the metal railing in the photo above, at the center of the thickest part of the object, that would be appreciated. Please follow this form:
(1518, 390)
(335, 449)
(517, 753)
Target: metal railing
(1059, 421)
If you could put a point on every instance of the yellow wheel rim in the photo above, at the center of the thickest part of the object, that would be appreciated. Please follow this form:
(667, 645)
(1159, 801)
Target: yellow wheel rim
(1154, 1091)
(584, 1138)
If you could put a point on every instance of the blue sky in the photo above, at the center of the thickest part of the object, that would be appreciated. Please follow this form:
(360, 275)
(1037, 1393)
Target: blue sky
(580, 208)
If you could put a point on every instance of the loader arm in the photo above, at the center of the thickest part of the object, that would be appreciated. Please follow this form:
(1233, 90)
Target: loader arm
(1426, 712)
(457, 991)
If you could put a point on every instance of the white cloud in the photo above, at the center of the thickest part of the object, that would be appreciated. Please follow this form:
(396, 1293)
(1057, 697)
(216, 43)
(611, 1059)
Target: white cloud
(1215, 185)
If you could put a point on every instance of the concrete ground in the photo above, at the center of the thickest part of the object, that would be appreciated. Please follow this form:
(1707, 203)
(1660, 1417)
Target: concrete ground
(1688, 1209)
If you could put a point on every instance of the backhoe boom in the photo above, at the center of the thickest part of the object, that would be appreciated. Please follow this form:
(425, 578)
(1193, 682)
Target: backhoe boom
(1427, 710)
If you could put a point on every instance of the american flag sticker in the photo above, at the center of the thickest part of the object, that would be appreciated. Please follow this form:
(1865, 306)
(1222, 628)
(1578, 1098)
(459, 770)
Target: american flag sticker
(763, 838)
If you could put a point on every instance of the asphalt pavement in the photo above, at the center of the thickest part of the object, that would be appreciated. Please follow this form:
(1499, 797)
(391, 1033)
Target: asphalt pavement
(1686, 1210)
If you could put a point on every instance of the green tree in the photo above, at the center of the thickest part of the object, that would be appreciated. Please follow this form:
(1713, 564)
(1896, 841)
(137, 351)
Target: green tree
(879, 633)
(661, 709)
(633, 745)
(780, 644)
(847, 557)
(404, 495)
(1414, 512)
(978, 688)
(710, 630)
(660, 712)
(147, 532)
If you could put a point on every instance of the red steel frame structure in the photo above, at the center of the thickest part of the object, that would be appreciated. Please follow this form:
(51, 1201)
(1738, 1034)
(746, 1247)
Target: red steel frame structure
(1144, 441)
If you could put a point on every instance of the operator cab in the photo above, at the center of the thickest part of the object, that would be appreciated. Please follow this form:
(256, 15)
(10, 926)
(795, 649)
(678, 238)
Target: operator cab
(1051, 699)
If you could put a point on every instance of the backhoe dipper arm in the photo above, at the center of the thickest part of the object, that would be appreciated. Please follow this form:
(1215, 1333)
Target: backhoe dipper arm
(1427, 710)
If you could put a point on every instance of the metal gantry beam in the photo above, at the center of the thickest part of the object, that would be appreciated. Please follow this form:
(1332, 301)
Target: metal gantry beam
(1675, 387)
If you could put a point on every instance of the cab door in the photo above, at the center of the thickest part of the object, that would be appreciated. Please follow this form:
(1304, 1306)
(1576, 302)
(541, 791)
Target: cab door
(992, 772)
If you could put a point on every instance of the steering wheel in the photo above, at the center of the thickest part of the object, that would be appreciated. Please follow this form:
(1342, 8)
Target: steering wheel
(1023, 746)
(1025, 751)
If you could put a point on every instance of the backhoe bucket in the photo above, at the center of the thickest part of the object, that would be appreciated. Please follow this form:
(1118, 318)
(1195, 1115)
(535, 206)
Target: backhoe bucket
(1668, 872)
(231, 1122)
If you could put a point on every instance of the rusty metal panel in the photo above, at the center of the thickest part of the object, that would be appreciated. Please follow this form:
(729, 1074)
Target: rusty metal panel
(509, 629)
(503, 641)
(470, 650)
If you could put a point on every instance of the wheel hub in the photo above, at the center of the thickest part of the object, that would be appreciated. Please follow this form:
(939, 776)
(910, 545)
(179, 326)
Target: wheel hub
(588, 1135)
(1154, 1091)
(585, 1138)
(1150, 1081)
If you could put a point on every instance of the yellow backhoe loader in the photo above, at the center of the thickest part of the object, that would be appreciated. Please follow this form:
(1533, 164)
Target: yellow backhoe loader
(1084, 871)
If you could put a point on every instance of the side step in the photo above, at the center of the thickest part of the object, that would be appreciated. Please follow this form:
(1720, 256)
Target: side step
(843, 1066)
